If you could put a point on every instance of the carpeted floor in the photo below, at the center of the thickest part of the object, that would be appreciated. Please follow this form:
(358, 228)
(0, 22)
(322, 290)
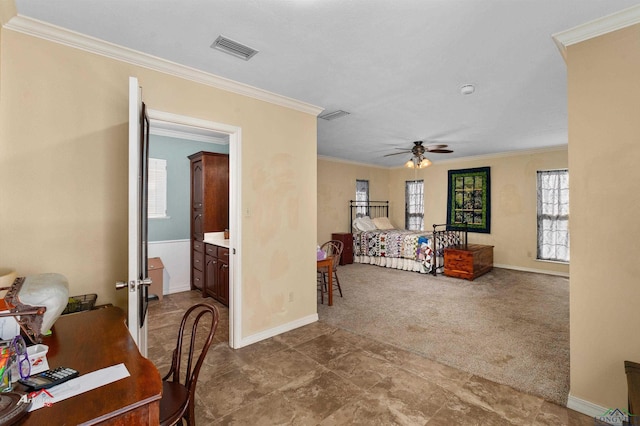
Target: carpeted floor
(508, 326)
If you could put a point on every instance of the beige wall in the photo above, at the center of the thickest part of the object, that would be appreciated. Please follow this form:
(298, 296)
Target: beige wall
(337, 185)
(63, 176)
(513, 200)
(604, 130)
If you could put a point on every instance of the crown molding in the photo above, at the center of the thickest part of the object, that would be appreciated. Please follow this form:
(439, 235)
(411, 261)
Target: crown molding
(351, 162)
(177, 134)
(56, 34)
(595, 28)
(457, 159)
(514, 153)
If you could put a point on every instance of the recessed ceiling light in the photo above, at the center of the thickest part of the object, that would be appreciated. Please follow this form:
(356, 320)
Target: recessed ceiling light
(333, 115)
(467, 89)
(234, 48)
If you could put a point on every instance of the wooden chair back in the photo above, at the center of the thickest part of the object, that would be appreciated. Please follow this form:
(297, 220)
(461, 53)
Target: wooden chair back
(333, 248)
(177, 402)
(633, 386)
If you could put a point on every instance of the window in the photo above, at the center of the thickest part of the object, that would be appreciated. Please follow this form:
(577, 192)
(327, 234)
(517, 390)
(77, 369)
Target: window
(362, 198)
(157, 188)
(553, 215)
(414, 205)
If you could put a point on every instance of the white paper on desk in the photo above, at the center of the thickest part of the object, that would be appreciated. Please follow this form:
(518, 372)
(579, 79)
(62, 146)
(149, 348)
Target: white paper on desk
(81, 384)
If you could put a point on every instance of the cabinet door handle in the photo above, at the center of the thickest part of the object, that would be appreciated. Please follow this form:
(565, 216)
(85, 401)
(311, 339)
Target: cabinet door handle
(225, 266)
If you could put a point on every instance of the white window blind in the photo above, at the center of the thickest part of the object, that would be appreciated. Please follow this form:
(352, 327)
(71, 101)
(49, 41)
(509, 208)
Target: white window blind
(157, 188)
(553, 215)
(414, 205)
(362, 198)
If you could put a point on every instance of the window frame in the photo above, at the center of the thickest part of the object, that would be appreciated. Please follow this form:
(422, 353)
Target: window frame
(157, 206)
(559, 216)
(362, 202)
(411, 213)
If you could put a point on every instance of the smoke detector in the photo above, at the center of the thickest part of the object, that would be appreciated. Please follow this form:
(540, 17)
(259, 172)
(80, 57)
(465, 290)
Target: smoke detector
(467, 89)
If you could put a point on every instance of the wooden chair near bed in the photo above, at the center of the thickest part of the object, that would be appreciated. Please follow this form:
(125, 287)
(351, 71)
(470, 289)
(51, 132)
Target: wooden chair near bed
(332, 248)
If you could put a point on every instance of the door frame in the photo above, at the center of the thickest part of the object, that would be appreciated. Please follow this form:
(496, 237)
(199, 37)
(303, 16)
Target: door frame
(235, 210)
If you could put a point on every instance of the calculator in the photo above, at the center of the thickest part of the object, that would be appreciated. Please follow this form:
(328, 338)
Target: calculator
(49, 378)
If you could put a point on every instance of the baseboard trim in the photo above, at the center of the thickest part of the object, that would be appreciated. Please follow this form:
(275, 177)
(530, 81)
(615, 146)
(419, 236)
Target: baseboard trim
(537, 271)
(585, 407)
(254, 338)
(592, 410)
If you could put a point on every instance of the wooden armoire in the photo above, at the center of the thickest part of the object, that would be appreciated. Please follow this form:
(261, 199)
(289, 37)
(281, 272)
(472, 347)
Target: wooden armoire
(209, 206)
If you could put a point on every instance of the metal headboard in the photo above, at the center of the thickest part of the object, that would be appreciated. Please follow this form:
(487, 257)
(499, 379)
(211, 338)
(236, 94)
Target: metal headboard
(372, 209)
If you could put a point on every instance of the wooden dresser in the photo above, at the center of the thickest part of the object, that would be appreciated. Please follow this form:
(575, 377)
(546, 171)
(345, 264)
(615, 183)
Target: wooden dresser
(347, 250)
(468, 262)
(209, 207)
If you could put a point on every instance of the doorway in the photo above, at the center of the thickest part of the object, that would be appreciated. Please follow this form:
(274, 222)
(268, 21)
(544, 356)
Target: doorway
(195, 126)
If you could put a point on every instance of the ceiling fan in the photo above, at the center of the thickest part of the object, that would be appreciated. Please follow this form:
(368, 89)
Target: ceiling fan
(418, 150)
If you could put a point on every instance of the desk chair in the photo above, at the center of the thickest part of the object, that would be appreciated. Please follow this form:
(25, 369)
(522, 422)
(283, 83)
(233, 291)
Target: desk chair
(178, 400)
(332, 248)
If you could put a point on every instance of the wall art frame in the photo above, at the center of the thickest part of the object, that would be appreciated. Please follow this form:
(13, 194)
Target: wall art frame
(469, 199)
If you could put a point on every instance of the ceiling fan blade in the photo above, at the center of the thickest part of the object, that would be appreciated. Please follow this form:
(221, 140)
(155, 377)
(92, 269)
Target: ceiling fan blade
(435, 146)
(441, 151)
(396, 153)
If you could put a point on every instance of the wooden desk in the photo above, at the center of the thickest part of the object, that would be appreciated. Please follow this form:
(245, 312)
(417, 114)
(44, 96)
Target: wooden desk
(328, 262)
(89, 341)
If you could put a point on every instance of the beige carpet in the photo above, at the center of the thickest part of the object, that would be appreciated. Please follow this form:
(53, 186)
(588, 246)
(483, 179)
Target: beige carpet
(507, 326)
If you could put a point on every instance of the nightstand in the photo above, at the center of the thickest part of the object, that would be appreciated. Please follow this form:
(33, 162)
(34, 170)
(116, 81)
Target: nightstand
(347, 250)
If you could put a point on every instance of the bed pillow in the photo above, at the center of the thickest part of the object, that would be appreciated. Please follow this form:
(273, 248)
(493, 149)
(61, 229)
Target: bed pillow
(366, 224)
(362, 224)
(382, 223)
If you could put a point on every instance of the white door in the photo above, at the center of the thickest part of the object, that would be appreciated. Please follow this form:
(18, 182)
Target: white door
(137, 279)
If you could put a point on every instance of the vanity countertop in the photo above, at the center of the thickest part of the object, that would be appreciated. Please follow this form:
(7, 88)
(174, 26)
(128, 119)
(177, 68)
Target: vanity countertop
(216, 238)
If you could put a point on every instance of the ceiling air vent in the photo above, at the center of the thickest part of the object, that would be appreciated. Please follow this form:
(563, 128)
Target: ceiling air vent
(234, 48)
(333, 115)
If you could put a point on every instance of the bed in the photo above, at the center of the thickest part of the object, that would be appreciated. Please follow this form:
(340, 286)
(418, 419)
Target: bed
(376, 242)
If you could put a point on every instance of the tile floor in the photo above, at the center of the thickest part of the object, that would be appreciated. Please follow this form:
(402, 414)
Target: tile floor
(322, 375)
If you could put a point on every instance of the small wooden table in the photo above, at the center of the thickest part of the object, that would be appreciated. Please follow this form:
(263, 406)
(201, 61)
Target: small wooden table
(328, 262)
(89, 341)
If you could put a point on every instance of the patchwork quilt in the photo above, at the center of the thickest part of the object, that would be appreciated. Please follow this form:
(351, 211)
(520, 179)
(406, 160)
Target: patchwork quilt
(395, 243)
(400, 249)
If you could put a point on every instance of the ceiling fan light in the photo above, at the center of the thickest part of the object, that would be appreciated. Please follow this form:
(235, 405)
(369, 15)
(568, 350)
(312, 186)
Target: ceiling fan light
(410, 164)
(424, 163)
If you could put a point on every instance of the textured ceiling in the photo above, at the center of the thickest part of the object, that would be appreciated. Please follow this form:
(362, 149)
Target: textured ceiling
(396, 66)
